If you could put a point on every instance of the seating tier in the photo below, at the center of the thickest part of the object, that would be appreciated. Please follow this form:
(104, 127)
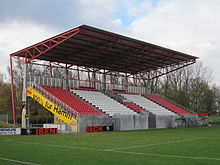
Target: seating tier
(73, 101)
(103, 102)
(172, 107)
(148, 104)
(133, 106)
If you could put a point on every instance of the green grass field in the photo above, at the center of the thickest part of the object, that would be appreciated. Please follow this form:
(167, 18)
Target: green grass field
(196, 146)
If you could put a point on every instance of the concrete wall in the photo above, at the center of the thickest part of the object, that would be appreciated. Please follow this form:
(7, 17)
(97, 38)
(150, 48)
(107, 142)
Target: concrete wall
(188, 121)
(93, 120)
(62, 128)
(165, 121)
(180, 122)
(203, 121)
(151, 121)
(130, 122)
(191, 120)
(135, 122)
(126, 122)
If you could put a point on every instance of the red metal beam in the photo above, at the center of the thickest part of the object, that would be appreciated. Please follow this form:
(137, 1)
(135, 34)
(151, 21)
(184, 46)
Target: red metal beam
(13, 92)
(164, 71)
(39, 49)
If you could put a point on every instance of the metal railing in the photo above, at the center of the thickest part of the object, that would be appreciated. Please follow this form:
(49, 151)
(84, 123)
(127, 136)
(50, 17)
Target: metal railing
(175, 103)
(73, 83)
(56, 100)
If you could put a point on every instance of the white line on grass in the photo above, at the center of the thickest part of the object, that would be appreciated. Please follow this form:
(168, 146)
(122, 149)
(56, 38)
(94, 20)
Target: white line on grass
(17, 161)
(59, 146)
(8, 140)
(134, 153)
(114, 149)
(170, 156)
(155, 144)
(125, 152)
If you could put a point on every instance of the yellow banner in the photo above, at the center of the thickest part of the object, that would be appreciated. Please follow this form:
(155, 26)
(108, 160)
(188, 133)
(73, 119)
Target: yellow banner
(58, 120)
(60, 113)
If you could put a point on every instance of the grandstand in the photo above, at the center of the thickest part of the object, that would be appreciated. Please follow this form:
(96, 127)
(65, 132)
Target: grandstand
(84, 80)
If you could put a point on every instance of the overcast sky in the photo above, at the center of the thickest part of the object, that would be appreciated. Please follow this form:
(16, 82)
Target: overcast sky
(189, 26)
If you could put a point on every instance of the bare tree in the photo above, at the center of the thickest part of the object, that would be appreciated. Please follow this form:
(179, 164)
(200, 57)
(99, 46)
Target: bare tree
(191, 87)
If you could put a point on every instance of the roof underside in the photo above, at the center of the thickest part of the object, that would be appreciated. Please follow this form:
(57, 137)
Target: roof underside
(94, 48)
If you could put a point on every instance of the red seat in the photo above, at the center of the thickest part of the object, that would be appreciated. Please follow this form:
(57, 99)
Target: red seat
(172, 107)
(133, 106)
(73, 101)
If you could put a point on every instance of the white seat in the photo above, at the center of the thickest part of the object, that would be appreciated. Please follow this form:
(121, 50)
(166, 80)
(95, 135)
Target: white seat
(148, 105)
(103, 102)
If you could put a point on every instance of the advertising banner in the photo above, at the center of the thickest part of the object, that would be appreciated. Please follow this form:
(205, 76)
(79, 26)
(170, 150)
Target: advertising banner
(99, 128)
(60, 113)
(58, 120)
(10, 131)
(39, 131)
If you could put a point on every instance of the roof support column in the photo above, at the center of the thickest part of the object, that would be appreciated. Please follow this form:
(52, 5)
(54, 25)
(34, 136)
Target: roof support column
(89, 78)
(134, 84)
(25, 109)
(104, 81)
(126, 83)
(134, 81)
(78, 76)
(66, 85)
(94, 79)
(13, 92)
(51, 75)
(111, 78)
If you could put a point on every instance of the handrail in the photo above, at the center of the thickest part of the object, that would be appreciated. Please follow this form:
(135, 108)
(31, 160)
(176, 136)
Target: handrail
(175, 103)
(74, 83)
(56, 100)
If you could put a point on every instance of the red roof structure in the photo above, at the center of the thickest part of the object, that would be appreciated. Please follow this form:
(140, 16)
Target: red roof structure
(102, 50)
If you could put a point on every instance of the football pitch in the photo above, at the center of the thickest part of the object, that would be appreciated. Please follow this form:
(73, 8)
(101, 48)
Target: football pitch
(198, 145)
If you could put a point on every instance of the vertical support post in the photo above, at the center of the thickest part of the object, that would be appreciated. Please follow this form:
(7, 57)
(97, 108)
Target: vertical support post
(104, 81)
(94, 79)
(111, 77)
(66, 78)
(78, 76)
(134, 84)
(89, 78)
(28, 112)
(111, 82)
(51, 75)
(126, 82)
(25, 110)
(134, 81)
(13, 92)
